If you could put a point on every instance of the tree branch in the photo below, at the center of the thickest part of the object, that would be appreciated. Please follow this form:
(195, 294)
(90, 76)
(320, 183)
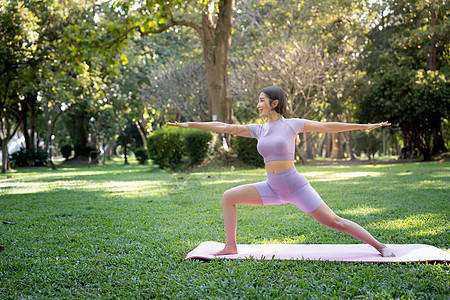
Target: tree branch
(170, 24)
(173, 23)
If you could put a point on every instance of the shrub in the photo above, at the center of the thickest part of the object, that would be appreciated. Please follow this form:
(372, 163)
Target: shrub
(165, 147)
(196, 144)
(141, 155)
(66, 151)
(26, 158)
(247, 151)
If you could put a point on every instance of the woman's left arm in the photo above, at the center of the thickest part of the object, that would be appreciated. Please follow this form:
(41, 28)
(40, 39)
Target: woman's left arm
(333, 127)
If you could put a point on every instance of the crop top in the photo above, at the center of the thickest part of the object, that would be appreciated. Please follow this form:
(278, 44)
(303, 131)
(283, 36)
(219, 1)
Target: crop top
(276, 140)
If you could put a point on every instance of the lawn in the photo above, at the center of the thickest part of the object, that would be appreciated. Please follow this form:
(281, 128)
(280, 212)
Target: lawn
(122, 232)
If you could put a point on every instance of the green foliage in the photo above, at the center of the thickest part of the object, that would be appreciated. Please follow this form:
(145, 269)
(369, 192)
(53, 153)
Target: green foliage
(367, 143)
(86, 57)
(415, 100)
(141, 155)
(66, 151)
(406, 59)
(196, 144)
(165, 147)
(247, 151)
(27, 158)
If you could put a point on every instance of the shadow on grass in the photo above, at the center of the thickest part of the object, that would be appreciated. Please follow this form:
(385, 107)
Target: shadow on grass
(395, 207)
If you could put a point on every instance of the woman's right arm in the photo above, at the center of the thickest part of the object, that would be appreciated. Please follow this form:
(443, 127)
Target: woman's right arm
(241, 130)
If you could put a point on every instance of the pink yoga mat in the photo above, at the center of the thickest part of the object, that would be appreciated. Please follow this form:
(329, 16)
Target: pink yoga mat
(323, 252)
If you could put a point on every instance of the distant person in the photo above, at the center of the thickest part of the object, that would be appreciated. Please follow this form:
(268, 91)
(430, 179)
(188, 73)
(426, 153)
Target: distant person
(284, 184)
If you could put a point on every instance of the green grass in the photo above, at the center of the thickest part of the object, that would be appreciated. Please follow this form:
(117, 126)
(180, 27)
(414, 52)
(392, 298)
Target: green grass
(123, 231)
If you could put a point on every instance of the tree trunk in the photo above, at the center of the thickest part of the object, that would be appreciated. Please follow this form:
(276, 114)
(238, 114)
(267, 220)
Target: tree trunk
(432, 53)
(407, 150)
(5, 131)
(216, 42)
(427, 156)
(109, 149)
(328, 145)
(6, 134)
(337, 151)
(369, 145)
(438, 140)
(307, 145)
(80, 133)
(299, 154)
(32, 105)
(142, 134)
(50, 130)
(25, 132)
(125, 150)
(5, 156)
(48, 136)
(48, 144)
(349, 146)
(395, 144)
(319, 149)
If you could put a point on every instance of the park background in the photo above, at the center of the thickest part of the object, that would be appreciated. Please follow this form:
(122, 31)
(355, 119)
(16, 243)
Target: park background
(95, 81)
(94, 75)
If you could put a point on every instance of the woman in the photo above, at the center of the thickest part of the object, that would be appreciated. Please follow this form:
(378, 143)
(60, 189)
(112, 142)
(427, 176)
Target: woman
(276, 143)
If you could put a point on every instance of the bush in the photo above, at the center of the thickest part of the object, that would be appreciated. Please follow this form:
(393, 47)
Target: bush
(196, 144)
(247, 151)
(141, 155)
(66, 151)
(26, 158)
(165, 147)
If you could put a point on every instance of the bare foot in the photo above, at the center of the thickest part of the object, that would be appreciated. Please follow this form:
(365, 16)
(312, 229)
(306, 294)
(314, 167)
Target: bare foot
(227, 251)
(387, 252)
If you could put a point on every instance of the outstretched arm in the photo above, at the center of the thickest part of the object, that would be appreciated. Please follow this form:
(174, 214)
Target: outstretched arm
(333, 127)
(241, 130)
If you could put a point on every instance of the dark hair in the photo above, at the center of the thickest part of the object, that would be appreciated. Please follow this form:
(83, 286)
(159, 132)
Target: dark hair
(276, 93)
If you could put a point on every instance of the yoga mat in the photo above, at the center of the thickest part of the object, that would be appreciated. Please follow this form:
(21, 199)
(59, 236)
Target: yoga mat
(323, 252)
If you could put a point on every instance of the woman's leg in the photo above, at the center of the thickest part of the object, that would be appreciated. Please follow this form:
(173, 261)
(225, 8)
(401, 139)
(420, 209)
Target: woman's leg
(327, 217)
(244, 194)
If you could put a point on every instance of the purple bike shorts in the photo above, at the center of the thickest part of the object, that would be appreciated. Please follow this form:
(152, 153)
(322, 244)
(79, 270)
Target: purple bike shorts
(289, 187)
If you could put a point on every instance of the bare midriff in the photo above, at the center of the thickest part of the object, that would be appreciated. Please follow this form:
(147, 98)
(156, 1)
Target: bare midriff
(277, 166)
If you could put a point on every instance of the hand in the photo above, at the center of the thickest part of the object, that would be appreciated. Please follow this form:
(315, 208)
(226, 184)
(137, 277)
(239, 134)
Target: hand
(373, 126)
(176, 124)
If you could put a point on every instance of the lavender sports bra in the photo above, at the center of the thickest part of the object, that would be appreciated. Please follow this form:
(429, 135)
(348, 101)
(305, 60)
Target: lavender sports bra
(276, 140)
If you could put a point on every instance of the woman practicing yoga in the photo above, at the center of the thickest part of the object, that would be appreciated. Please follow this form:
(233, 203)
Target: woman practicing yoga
(276, 143)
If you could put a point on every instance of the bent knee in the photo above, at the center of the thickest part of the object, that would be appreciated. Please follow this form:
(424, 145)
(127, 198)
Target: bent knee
(245, 194)
(228, 197)
(227, 194)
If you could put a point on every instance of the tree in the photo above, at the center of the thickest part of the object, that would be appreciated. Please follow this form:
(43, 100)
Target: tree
(180, 90)
(17, 45)
(215, 33)
(335, 28)
(300, 69)
(212, 20)
(415, 100)
(407, 57)
(94, 67)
